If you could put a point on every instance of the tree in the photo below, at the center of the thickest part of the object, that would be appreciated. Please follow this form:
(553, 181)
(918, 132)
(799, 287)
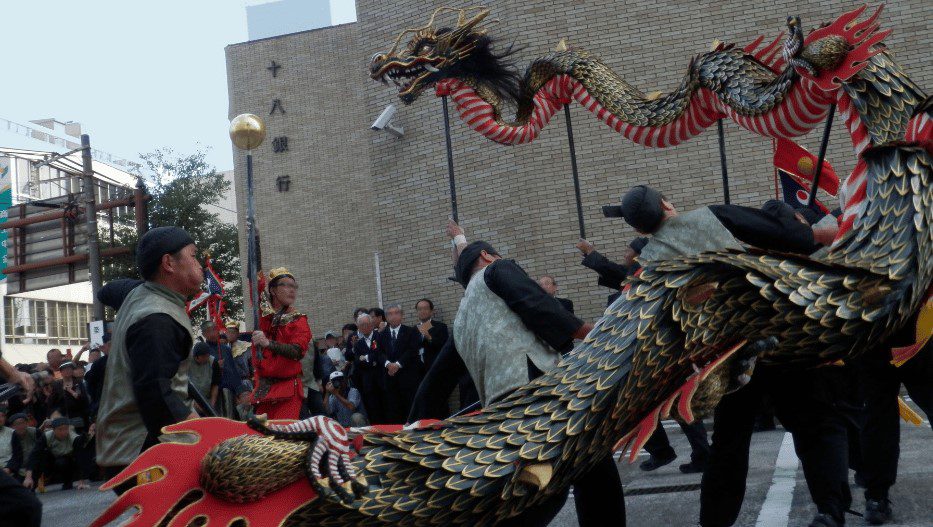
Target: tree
(181, 186)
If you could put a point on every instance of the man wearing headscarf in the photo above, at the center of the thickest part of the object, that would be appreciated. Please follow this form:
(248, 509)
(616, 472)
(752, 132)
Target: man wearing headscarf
(508, 331)
(146, 379)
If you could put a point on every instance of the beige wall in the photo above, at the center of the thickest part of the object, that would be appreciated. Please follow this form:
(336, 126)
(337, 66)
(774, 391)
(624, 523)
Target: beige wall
(382, 193)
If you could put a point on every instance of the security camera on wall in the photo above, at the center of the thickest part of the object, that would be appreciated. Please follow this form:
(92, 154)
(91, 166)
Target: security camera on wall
(384, 122)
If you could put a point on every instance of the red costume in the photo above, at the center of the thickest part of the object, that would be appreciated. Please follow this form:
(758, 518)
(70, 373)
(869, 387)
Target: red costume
(279, 390)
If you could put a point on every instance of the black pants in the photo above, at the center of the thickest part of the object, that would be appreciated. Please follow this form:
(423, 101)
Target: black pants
(658, 445)
(805, 402)
(19, 507)
(313, 405)
(881, 382)
(598, 498)
(62, 468)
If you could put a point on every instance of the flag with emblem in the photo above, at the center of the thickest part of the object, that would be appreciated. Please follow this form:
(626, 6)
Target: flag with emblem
(211, 295)
(795, 169)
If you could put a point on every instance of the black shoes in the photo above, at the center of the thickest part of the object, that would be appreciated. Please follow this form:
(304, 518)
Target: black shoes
(878, 512)
(693, 467)
(654, 463)
(825, 520)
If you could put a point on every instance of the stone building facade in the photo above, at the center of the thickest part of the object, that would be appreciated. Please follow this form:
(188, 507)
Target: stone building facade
(353, 192)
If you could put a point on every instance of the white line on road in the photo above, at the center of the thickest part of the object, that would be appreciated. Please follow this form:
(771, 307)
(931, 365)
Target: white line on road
(775, 511)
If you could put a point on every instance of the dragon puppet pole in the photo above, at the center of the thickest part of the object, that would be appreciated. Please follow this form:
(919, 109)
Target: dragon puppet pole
(450, 164)
(722, 161)
(247, 132)
(251, 242)
(573, 169)
(822, 155)
(454, 254)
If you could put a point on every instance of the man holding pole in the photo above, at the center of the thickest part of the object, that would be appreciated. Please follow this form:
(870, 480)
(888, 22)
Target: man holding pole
(508, 331)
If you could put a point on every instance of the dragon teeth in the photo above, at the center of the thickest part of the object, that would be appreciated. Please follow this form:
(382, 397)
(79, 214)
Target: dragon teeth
(431, 68)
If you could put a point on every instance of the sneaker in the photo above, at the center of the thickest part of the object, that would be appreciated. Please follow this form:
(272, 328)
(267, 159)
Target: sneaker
(693, 467)
(654, 463)
(878, 512)
(825, 520)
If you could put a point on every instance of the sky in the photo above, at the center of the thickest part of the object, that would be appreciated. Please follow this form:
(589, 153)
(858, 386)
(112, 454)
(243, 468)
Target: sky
(137, 75)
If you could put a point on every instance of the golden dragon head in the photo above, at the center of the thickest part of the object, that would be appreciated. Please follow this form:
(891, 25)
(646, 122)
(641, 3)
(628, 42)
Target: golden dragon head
(435, 53)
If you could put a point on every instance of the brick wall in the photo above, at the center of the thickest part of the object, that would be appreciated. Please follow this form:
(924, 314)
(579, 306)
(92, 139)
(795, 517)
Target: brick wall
(387, 194)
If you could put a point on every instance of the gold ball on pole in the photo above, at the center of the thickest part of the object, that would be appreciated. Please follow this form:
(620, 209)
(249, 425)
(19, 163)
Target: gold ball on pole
(247, 131)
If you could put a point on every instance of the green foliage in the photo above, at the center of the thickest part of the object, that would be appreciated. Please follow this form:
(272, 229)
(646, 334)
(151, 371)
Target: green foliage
(180, 187)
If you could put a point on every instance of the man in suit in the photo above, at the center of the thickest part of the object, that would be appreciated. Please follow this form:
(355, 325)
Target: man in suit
(433, 336)
(549, 284)
(433, 332)
(402, 367)
(367, 368)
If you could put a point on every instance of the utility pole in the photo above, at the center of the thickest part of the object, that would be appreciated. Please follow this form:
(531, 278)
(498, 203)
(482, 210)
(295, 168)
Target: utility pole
(90, 216)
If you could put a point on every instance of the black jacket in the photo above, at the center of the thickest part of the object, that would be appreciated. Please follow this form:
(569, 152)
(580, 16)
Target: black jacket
(439, 334)
(404, 351)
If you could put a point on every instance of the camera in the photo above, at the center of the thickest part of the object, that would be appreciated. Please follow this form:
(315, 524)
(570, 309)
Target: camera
(384, 122)
(384, 118)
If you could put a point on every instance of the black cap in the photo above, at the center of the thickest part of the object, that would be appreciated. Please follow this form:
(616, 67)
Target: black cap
(641, 207)
(60, 421)
(468, 257)
(157, 243)
(66, 364)
(16, 417)
(200, 350)
(113, 294)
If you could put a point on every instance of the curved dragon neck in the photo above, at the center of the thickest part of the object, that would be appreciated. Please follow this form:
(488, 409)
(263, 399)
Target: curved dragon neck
(758, 98)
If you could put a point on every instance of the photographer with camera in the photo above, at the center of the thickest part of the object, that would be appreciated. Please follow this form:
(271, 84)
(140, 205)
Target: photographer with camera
(17, 503)
(343, 403)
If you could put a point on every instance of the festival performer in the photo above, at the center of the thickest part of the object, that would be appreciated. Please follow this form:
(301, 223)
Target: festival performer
(809, 413)
(508, 331)
(146, 380)
(278, 346)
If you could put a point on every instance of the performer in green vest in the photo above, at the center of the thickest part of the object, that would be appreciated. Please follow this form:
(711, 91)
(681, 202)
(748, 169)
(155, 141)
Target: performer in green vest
(146, 382)
(508, 330)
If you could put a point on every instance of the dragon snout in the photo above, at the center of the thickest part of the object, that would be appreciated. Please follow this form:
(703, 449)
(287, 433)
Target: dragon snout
(376, 62)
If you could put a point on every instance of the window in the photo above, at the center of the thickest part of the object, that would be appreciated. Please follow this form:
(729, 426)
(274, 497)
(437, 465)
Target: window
(49, 322)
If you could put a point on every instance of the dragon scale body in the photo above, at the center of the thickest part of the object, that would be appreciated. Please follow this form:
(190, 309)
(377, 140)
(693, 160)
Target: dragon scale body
(680, 321)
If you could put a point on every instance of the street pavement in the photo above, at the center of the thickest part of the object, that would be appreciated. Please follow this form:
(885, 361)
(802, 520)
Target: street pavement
(784, 489)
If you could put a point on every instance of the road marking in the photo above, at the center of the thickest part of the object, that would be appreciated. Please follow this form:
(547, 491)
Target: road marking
(775, 511)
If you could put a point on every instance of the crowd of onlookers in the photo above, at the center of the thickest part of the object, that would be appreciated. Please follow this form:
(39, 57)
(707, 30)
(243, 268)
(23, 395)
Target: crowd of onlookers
(368, 372)
(50, 437)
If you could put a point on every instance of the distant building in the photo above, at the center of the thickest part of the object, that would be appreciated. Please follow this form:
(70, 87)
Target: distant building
(55, 317)
(286, 16)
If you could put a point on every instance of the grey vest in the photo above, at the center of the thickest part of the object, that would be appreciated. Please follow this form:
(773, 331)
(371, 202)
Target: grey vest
(120, 428)
(494, 343)
(6, 445)
(200, 376)
(60, 447)
(687, 234)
